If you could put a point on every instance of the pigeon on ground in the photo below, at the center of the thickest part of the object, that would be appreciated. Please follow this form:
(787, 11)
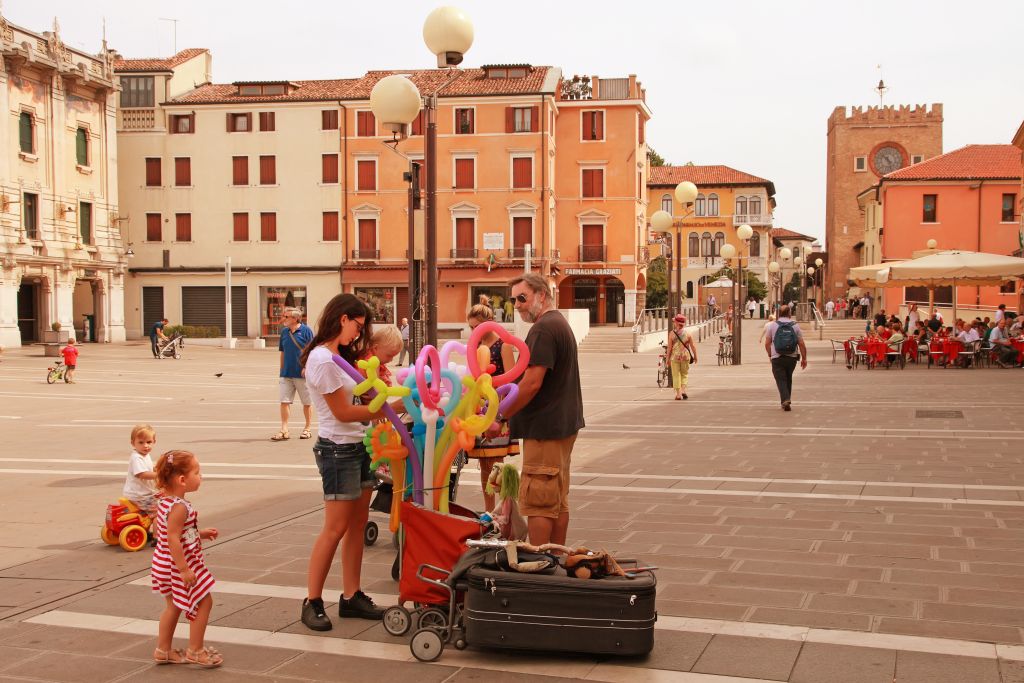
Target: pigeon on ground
(218, 374)
(625, 367)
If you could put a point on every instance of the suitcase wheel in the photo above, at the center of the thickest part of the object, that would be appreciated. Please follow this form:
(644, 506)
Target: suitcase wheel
(433, 617)
(460, 644)
(426, 645)
(397, 620)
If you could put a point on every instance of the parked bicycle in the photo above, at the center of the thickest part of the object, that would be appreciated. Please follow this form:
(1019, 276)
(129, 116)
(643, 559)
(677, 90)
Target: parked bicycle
(664, 379)
(56, 372)
(725, 349)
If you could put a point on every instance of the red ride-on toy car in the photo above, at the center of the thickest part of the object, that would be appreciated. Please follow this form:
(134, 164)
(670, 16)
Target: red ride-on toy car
(126, 526)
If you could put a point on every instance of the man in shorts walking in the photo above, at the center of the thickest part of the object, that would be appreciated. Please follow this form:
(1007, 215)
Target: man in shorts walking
(294, 337)
(548, 413)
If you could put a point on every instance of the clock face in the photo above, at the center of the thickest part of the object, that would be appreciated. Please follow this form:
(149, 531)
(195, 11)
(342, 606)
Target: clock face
(887, 159)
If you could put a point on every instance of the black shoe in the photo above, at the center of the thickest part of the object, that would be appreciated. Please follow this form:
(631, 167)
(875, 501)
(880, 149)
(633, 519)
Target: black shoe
(359, 606)
(786, 406)
(314, 616)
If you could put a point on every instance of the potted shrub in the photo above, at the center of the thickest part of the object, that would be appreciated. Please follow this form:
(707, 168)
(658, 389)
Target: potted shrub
(55, 335)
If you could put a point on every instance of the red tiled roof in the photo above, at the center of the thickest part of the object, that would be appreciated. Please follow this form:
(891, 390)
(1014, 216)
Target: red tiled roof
(783, 233)
(463, 82)
(304, 91)
(703, 176)
(156, 64)
(973, 162)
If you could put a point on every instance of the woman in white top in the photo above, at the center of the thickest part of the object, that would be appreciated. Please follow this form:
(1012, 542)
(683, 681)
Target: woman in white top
(912, 317)
(344, 328)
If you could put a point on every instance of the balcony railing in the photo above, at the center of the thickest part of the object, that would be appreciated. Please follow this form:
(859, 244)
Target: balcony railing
(365, 254)
(592, 252)
(138, 119)
(751, 219)
(464, 253)
(704, 262)
(519, 253)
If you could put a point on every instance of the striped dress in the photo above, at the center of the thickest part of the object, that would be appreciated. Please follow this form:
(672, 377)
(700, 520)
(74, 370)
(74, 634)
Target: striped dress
(164, 573)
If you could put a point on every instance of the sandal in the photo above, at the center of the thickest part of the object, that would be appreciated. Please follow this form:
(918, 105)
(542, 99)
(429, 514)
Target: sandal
(171, 656)
(208, 658)
(281, 436)
(306, 434)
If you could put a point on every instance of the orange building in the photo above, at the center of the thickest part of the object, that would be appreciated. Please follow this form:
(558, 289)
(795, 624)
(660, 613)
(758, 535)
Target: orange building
(965, 199)
(303, 188)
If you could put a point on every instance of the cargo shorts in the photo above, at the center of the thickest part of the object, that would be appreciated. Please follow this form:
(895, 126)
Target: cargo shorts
(544, 490)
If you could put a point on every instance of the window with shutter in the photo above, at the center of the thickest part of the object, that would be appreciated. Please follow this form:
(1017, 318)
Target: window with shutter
(239, 123)
(183, 123)
(522, 233)
(240, 232)
(465, 239)
(755, 245)
(329, 119)
(523, 119)
(641, 132)
(330, 226)
(182, 227)
(85, 222)
(366, 124)
(522, 172)
(367, 238)
(755, 206)
(593, 182)
(82, 147)
(693, 245)
(741, 206)
(267, 121)
(464, 124)
(417, 124)
(268, 227)
(26, 133)
(239, 170)
(154, 227)
(30, 215)
(329, 170)
(366, 174)
(712, 204)
(268, 170)
(464, 172)
(593, 125)
(153, 172)
(182, 171)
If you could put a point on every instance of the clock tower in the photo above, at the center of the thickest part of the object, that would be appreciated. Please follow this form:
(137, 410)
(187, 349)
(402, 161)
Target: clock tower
(863, 145)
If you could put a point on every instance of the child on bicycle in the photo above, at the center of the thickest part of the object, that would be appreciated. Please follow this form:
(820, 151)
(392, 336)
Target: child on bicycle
(178, 571)
(139, 485)
(70, 353)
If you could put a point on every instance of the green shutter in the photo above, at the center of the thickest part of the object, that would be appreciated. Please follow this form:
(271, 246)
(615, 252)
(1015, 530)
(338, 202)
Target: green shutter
(25, 131)
(85, 221)
(82, 147)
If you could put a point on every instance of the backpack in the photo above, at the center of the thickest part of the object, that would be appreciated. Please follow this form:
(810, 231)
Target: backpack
(785, 339)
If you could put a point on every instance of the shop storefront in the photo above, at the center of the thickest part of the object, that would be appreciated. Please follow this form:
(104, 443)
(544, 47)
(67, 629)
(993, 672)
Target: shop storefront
(599, 290)
(274, 301)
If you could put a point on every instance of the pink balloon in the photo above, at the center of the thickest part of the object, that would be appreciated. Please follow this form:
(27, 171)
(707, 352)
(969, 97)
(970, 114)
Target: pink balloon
(429, 396)
(506, 337)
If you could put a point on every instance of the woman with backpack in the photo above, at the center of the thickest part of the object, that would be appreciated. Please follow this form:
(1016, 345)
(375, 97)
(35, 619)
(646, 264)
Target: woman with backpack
(682, 352)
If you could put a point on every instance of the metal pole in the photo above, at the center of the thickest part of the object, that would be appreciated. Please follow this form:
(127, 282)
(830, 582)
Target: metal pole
(413, 275)
(679, 269)
(227, 302)
(527, 254)
(430, 235)
(737, 315)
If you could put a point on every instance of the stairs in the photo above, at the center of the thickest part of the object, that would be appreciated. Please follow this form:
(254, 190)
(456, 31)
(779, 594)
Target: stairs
(608, 339)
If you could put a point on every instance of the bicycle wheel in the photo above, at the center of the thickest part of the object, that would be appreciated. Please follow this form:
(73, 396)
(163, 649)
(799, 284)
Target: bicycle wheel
(52, 376)
(662, 377)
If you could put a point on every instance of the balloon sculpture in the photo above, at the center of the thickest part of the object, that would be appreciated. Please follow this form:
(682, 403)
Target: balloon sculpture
(449, 405)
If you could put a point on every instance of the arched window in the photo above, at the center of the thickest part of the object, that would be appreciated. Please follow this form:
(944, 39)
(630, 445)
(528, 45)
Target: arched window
(666, 203)
(689, 289)
(755, 206)
(796, 251)
(712, 204)
(700, 206)
(755, 245)
(693, 244)
(741, 206)
(705, 244)
(716, 249)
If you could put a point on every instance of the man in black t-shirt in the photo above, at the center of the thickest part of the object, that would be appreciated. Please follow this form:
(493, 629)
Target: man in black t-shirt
(548, 413)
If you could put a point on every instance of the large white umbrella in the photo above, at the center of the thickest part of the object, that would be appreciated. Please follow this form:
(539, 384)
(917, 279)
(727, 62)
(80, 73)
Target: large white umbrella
(953, 267)
(867, 276)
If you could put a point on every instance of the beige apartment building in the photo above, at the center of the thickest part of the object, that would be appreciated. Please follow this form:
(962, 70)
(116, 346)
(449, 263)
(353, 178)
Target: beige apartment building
(61, 256)
(300, 186)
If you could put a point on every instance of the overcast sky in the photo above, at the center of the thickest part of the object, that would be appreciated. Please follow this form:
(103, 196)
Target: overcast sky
(742, 83)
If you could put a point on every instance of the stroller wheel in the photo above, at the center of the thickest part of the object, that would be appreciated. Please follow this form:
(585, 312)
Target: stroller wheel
(426, 645)
(397, 620)
(370, 533)
(432, 617)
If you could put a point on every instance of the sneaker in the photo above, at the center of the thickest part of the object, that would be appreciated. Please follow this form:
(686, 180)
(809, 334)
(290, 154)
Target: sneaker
(314, 616)
(359, 606)
(786, 406)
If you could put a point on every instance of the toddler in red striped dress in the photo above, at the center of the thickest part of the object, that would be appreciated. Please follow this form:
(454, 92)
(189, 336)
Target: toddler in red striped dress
(178, 572)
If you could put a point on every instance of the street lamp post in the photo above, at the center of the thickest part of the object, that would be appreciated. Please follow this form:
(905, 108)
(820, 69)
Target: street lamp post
(819, 284)
(776, 280)
(663, 221)
(396, 101)
(744, 233)
(814, 284)
(798, 264)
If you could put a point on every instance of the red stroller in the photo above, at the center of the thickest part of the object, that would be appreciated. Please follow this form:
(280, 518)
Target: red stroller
(432, 543)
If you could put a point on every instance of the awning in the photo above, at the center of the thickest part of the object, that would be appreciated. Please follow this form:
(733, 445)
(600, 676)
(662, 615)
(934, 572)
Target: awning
(867, 276)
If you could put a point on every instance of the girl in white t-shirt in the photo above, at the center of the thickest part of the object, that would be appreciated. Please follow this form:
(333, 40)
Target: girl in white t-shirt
(140, 484)
(344, 328)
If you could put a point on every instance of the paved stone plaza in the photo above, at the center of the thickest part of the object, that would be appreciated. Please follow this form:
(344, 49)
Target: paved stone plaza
(861, 538)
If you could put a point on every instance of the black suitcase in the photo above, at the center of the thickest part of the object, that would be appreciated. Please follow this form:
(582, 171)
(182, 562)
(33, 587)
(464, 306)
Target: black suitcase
(610, 616)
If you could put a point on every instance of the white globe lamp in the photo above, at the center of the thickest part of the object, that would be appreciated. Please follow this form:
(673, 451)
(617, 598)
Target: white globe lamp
(686, 192)
(395, 101)
(773, 267)
(744, 232)
(448, 33)
(932, 244)
(728, 252)
(818, 262)
(810, 270)
(661, 221)
(785, 253)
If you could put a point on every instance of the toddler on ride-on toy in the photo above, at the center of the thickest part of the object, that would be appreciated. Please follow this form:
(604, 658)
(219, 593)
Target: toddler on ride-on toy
(128, 523)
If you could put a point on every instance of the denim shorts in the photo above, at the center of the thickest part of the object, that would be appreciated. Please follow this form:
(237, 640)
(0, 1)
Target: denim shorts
(344, 469)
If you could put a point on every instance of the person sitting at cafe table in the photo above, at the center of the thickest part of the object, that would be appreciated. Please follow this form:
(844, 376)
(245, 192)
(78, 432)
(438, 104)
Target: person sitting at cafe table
(1006, 354)
(896, 335)
(883, 332)
(881, 319)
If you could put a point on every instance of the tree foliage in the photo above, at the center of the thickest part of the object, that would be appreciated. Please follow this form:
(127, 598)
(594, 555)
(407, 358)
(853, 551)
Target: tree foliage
(657, 283)
(755, 287)
(655, 159)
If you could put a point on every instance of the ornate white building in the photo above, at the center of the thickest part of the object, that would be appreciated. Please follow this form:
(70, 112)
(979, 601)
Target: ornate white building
(62, 257)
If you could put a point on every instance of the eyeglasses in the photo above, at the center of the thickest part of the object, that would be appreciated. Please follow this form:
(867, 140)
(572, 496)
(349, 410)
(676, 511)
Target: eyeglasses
(521, 298)
(359, 325)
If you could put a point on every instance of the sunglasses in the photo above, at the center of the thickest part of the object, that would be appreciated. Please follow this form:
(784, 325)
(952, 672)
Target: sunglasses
(521, 298)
